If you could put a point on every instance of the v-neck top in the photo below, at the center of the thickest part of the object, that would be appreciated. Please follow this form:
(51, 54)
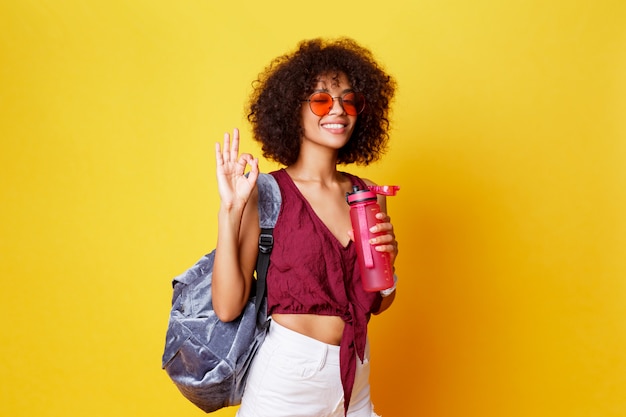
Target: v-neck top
(312, 272)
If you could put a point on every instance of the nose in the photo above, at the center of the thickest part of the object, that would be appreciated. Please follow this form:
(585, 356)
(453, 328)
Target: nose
(337, 107)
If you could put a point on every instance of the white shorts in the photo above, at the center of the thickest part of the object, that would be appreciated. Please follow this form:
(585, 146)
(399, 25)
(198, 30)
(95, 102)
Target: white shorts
(293, 375)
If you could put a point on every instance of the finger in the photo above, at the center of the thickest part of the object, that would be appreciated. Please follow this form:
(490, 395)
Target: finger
(234, 150)
(246, 159)
(382, 227)
(225, 153)
(254, 170)
(254, 165)
(240, 165)
(383, 216)
(383, 239)
(218, 154)
(385, 248)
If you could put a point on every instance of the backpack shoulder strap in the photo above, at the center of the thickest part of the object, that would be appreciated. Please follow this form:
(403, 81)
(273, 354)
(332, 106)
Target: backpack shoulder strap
(269, 200)
(269, 207)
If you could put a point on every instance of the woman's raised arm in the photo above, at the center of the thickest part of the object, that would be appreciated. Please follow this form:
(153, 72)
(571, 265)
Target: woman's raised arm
(238, 228)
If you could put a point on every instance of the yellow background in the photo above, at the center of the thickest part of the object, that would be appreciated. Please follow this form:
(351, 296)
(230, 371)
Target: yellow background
(509, 142)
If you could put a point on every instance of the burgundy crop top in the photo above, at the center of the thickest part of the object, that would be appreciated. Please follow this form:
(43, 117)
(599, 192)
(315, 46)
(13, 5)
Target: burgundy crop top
(311, 272)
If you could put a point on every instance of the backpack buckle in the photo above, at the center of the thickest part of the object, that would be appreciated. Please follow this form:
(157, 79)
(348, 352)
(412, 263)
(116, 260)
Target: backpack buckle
(266, 241)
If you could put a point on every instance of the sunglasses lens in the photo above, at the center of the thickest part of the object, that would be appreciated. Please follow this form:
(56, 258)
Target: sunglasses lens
(321, 103)
(353, 103)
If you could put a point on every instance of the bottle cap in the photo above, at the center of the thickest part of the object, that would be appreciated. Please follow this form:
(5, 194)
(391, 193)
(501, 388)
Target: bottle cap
(357, 196)
(389, 190)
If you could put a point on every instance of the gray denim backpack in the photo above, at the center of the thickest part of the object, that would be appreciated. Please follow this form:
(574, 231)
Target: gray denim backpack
(207, 359)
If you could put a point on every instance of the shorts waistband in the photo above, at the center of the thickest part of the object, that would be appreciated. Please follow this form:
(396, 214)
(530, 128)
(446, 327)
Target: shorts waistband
(303, 344)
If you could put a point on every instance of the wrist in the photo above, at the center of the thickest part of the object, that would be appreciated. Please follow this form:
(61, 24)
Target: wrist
(231, 210)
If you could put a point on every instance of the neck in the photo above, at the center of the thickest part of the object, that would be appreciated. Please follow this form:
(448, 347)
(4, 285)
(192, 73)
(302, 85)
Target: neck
(312, 167)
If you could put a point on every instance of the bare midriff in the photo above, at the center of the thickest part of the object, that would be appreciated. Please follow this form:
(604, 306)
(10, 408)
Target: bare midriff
(327, 329)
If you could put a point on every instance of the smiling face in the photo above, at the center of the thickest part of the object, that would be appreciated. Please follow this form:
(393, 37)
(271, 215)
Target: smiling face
(332, 130)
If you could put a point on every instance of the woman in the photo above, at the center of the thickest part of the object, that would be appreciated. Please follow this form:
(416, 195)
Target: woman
(325, 104)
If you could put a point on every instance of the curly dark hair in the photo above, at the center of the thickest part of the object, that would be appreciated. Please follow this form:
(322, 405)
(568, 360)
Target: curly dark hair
(275, 103)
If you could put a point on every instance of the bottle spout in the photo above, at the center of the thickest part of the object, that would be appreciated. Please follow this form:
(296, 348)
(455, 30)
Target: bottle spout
(389, 190)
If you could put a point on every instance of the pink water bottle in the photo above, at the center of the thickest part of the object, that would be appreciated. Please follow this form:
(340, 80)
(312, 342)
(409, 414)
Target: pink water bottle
(376, 269)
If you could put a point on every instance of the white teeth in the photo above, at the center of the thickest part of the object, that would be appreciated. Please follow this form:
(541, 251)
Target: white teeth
(333, 126)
